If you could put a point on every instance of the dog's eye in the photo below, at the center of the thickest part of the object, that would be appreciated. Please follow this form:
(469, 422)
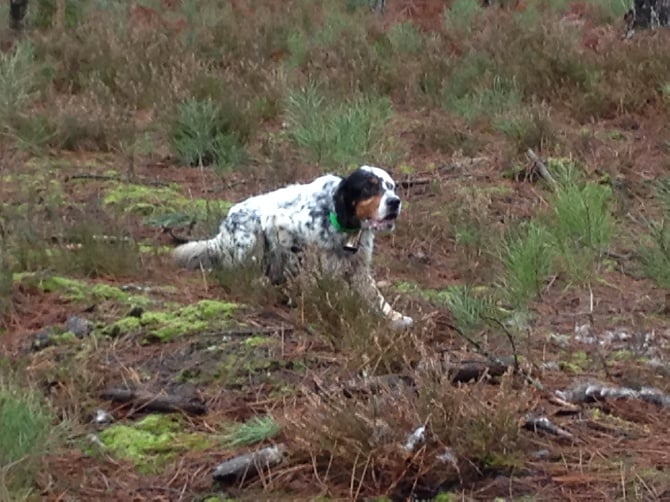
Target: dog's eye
(389, 186)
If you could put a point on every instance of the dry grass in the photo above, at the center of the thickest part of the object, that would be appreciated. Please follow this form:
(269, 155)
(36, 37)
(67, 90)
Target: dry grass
(357, 446)
(166, 86)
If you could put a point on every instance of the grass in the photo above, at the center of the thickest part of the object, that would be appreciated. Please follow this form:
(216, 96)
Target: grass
(263, 93)
(205, 133)
(18, 72)
(359, 439)
(337, 135)
(581, 224)
(252, 431)
(27, 429)
(655, 252)
(527, 257)
(469, 309)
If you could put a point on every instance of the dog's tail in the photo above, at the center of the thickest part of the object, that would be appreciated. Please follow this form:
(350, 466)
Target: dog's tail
(196, 254)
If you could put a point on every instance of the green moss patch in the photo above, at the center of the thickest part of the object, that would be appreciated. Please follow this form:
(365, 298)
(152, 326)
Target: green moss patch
(576, 362)
(165, 325)
(162, 206)
(152, 442)
(78, 291)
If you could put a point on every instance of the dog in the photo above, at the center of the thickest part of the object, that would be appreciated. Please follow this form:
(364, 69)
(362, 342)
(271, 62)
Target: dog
(313, 222)
(646, 14)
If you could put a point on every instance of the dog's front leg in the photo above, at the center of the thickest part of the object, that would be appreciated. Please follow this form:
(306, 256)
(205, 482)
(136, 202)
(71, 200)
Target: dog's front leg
(398, 320)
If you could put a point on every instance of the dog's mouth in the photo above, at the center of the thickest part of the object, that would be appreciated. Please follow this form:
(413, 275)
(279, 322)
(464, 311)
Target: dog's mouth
(386, 223)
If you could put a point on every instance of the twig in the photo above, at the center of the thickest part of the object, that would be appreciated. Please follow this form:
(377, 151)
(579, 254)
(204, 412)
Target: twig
(510, 338)
(495, 360)
(541, 167)
(542, 423)
(88, 176)
(415, 182)
(156, 402)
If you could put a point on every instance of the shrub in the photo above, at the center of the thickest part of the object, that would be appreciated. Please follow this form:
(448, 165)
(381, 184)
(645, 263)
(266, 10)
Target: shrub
(26, 427)
(18, 79)
(208, 134)
(499, 98)
(526, 127)
(459, 18)
(527, 257)
(655, 252)
(338, 134)
(581, 222)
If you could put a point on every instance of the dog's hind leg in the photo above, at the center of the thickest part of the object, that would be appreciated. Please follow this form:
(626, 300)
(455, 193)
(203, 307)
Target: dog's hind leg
(239, 243)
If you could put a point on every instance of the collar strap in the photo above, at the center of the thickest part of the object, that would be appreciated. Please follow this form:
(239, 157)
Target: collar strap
(338, 226)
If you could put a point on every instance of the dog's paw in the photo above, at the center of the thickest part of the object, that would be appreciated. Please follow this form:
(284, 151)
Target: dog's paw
(399, 321)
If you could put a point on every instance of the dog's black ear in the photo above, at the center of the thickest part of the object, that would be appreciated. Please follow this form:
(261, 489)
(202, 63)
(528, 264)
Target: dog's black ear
(350, 191)
(345, 204)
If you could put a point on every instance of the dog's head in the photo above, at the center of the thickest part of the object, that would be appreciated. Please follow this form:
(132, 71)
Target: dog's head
(367, 199)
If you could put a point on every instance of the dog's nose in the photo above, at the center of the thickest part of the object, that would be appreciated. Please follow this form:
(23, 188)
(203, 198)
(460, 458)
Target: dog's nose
(393, 203)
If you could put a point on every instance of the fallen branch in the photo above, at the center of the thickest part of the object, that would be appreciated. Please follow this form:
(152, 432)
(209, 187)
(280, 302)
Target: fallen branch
(475, 370)
(495, 360)
(87, 176)
(590, 392)
(249, 464)
(408, 183)
(463, 372)
(156, 402)
(541, 167)
(541, 423)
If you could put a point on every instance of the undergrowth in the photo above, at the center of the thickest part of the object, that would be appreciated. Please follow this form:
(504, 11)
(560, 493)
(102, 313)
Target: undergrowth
(339, 134)
(27, 431)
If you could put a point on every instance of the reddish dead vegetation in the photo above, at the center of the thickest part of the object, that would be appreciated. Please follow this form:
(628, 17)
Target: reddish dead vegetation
(593, 465)
(624, 453)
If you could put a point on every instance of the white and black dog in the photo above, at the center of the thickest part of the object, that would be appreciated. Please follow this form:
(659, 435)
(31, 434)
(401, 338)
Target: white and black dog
(310, 222)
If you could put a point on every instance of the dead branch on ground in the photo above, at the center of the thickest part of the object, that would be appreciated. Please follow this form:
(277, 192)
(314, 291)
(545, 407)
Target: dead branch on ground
(156, 402)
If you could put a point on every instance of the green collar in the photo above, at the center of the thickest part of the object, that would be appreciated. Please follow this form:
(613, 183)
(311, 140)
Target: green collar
(338, 226)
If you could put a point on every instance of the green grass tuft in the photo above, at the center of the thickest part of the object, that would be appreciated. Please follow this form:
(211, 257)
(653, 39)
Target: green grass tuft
(251, 432)
(655, 253)
(582, 224)
(341, 134)
(206, 133)
(469, 310)
(26, 426)
(459, 18)
(527, 257)
(500, 97)
(18, 73)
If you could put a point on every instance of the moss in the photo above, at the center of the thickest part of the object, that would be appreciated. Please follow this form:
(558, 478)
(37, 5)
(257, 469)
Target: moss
(141, 199)
(446, 497)
(75, 290)
(159, 202)
(63, 338)
(165, 325)
(208, 310)
(258, 341)
(152, 442)
(576, 362)
(126, 325)
(622, 355)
